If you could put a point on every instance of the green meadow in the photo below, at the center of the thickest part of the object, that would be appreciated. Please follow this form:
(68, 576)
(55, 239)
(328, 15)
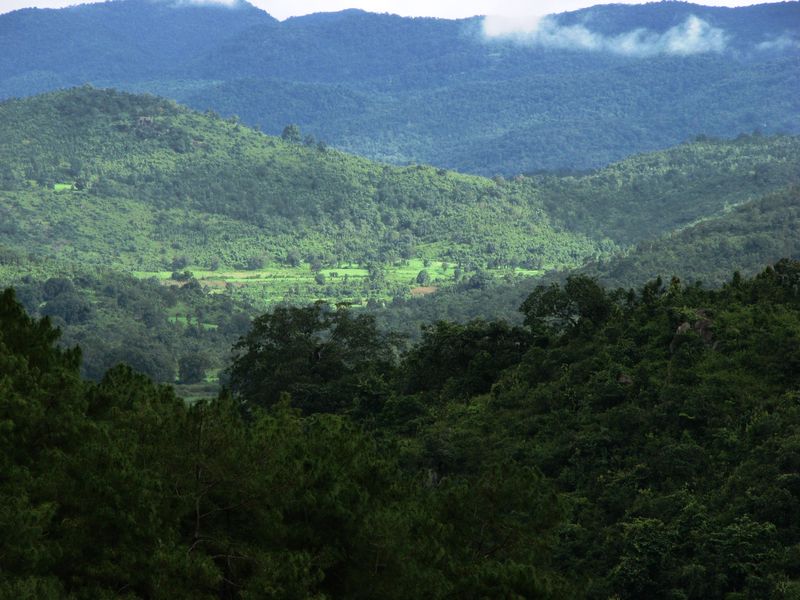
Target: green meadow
(346, 283)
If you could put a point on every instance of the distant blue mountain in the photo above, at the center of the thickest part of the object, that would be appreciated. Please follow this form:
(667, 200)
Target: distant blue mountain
(582, 89)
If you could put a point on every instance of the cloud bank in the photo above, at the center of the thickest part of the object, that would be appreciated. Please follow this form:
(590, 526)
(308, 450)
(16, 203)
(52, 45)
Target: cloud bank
(693, 36)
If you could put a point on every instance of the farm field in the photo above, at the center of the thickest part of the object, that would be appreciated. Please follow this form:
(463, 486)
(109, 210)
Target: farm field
(349, 283)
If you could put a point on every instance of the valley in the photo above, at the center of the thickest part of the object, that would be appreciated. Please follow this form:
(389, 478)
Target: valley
(199, 206)
(361, 306)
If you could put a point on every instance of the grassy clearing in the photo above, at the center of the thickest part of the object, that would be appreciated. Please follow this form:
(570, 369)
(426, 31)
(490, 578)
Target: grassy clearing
(344, 283)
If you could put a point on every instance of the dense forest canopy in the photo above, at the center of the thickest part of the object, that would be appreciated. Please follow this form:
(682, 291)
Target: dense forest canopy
(621, 443)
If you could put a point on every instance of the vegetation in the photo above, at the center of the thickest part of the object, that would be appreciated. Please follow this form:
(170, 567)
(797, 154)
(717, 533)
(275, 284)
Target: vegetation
(649, 195)
(219, 223)
(745, 238)
(619, 444)
(159, 187)
(397, 381)
(119, 319)
(617, 436)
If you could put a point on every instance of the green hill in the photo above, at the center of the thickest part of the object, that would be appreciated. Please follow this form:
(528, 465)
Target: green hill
(217, 222)
(135, 181)
(215, 219)
(744, 239)
(647, 195)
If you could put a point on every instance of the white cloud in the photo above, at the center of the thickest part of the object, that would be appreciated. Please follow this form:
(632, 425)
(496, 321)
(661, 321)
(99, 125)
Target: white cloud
(693, 36)
(781, 42)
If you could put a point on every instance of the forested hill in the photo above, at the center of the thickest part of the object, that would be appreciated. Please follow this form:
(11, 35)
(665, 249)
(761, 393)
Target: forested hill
(136, 180)
(97, 180)
(646, 195)
(743, 239)
(581, 90)
(130, 39)
(101, 175)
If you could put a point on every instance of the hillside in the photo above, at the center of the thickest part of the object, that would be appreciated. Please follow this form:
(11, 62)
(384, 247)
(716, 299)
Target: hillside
(744, 239)
(137, 181)
(640, 78)
(102, 176)
(650, 194)
(152, 234)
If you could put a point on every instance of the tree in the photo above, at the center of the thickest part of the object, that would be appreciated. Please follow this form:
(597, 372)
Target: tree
(291, 133)
(293, 258)
(582, 303)
(326, 359)
(192, 367)
(460, 361)
(254, 263)
(55, 286)
(423, 277)
(70, 306)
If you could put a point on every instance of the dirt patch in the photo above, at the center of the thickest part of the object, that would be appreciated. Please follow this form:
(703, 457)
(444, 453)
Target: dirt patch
(214, 283)
(423, 291)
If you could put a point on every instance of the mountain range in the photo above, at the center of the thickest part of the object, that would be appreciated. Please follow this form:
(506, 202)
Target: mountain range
(574, 91)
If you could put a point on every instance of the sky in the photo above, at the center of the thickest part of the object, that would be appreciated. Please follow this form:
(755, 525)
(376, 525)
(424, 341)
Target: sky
(451, 9)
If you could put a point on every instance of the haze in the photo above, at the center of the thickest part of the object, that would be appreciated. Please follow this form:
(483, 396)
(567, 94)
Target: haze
(451, 9)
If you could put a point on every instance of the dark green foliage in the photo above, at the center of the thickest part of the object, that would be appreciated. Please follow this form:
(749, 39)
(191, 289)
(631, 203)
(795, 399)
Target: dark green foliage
(118, 319)
(581, 306)
(647, 421)
(118, 488)
(459, 361)
(648, 410)
(328, 360)
(291, 133)
(192, 368)
(628, 444)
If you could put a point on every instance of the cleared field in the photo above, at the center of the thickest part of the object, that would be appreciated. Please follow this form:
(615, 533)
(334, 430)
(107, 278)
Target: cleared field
(352, 283)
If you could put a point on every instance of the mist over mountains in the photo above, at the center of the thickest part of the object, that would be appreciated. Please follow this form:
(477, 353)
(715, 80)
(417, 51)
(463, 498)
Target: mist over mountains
(483, 95)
